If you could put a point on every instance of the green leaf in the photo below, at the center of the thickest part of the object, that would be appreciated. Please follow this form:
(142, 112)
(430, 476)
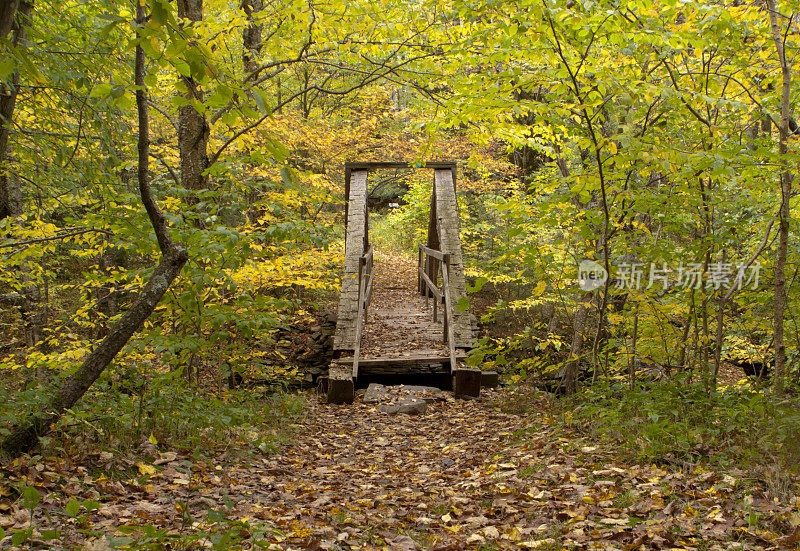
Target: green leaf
(100, 90)
(6, 67)
(19, 537)
(90, 505)
(182, 67)
(462, 305)
(288, 176)
(160, 13)
(260, 103)
(180, 101)
(119, 542)
(48, 535)
(221, 96)
(72, 508)
(479, 283)
(475, 358)
(30, 497)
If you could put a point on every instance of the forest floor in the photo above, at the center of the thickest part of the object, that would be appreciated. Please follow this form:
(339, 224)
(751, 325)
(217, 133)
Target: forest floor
(492, 473)
(500, 472)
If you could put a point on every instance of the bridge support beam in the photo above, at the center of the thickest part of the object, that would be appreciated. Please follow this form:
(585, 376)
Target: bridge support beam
(467, 383)
(341, 389)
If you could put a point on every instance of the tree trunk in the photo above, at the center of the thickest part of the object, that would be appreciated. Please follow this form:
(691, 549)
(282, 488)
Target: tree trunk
(16, 18)
(690, 317)
(7, 11)
(570, 379)
(173, 256)
(251, 35)
(193, 129)
(786, 178)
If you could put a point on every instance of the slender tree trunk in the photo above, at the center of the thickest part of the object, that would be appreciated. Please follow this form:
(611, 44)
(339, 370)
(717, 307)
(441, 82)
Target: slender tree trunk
(193, 129)
(573, 364)
(786, 178)
(173, 256)
(685, 336)
(723, 300)
(634, 339)
(14, 16)
(251, 35)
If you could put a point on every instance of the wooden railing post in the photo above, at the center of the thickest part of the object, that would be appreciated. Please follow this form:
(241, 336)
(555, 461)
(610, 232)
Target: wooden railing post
(448, 308)
(420, 256)
(364, 295)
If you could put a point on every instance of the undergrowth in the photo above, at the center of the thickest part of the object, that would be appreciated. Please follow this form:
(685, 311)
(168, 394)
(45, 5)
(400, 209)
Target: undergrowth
(168, 414)
(677, 422)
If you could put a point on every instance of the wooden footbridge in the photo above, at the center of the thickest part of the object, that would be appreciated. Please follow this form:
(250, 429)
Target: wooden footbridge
(425, 329)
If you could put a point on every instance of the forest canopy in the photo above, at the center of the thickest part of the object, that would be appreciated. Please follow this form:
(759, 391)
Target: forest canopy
(171, 190)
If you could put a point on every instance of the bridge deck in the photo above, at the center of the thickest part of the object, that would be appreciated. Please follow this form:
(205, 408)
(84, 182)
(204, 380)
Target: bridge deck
(399, 335)
(398, 323)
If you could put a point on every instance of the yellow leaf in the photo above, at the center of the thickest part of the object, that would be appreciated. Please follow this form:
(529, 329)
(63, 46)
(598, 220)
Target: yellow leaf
(148, 470)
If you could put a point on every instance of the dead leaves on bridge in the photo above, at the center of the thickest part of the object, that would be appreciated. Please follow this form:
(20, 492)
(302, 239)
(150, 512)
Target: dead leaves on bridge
(464, 475)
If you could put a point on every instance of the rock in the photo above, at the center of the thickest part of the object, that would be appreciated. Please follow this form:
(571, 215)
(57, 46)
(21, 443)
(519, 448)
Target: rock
(408, 406)
(375, 394)
(428, 393)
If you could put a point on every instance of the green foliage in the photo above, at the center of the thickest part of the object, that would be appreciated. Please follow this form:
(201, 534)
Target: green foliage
(678, 422)
(216, 528)
(121, 413)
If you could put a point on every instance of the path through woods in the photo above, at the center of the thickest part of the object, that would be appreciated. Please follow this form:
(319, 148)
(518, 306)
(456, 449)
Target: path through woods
(464, 475)
(468, 474)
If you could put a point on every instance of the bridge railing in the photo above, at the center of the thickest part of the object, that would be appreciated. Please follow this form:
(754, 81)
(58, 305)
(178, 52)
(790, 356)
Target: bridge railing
(365, 279)
(433, 263)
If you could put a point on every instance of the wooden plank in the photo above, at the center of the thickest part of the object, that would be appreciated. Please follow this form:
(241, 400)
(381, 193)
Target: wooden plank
(438, 255)
(467, 383)
(431, 287)
(448, 313)
(450, 243)
(341, 389)
(418, 358)
(373, 165)
(433, 232)
(344, 338)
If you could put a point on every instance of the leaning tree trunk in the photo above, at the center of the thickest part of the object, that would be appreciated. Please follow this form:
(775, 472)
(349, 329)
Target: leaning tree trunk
(173, 256)
(786, 178)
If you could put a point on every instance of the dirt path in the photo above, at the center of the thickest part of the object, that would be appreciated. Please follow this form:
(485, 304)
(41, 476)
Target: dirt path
(360, 478)
(466, 475)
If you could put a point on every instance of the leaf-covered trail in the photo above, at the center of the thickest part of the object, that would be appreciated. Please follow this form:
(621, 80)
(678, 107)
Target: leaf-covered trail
(466, 475)
(357, 474)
